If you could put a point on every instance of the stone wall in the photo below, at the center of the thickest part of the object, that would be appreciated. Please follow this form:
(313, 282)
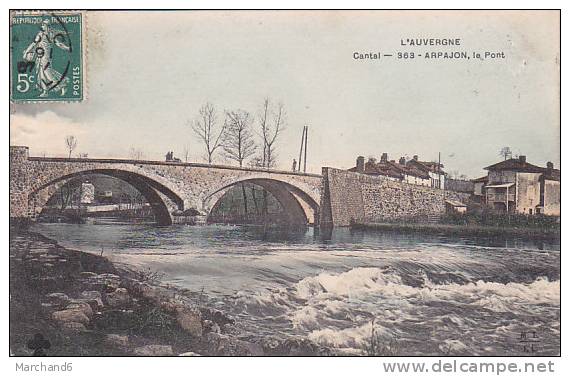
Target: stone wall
(19, 181)
(362, 198)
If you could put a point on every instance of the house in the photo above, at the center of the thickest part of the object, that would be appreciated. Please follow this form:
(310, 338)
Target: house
(433, 169)
(514, 185)
(479, 186)
(414, 171)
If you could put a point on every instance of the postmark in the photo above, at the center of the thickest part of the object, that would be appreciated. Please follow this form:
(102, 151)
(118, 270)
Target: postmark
(47, 61)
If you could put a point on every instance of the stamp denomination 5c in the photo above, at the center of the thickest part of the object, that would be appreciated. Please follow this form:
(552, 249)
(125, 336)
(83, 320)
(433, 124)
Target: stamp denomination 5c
(46, 57)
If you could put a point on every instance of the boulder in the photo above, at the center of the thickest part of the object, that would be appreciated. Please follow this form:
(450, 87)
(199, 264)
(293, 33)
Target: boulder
(210, 326)
(73, 326)
(88, 274)
(190, 321)
(189, 353)
(83, 307)
(222, 345)
(118, 298)
(70, 315)
(94, 296)
(58, 299)
(117, 340)
(154, 350)
(154, 293)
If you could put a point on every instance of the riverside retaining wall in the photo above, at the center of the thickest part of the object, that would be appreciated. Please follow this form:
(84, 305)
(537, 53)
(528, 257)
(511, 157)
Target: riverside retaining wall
(353, 197)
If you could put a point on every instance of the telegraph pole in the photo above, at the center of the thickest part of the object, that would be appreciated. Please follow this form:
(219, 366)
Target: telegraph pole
(301, 150)
(306, 140)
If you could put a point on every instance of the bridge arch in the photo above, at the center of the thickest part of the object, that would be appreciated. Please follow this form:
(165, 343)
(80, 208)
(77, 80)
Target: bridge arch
(298, 203)
(163, 199)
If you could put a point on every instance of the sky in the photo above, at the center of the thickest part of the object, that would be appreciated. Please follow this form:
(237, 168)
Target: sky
(148, 73)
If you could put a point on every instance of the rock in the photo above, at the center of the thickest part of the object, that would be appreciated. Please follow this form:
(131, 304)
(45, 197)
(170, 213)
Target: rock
(94, 296)
(103, 282)
(58, 299)
(117, 340)
(70, 315)
(88, 274)
(119, 297)
(300, 347)
(73, 326)
(190, 321)
(83, 307)
(116, 320)
(154, 293)
(154, 350)
(210, 326)
(219, 344)
(170, 306)
(189, 353)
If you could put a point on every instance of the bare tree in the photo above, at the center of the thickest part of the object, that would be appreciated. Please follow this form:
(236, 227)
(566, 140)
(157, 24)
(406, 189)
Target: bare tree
(186, 153)
(271, 122)
(205, 128)
(136, 154)
(70, 143)
(238, 141)
(506, 152)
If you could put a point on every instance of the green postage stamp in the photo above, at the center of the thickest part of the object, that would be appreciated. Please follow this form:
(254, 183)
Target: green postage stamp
(46, 63)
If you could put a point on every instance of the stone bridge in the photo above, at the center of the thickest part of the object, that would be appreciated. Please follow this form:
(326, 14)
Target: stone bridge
(168, 186)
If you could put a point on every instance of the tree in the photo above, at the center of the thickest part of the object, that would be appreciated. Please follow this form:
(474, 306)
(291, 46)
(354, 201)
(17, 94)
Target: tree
(506, 152)
(136, 154)
(238, 142)
(271, 122)
(186, 153)
(205, 128)
(70, 143)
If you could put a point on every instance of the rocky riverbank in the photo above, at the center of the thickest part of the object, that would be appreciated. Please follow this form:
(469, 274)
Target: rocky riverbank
(70, 303)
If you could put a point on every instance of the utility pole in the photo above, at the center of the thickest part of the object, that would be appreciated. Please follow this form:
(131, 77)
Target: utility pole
(306, 140)
(301, 150)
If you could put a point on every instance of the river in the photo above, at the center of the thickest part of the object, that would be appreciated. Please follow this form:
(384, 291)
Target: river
(427, 294)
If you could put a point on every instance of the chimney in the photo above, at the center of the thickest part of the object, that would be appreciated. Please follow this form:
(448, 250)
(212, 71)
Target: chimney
(360, 164)
(402, 161)
(549, 165)
(415, 157)
(384, 158)
(522, 158)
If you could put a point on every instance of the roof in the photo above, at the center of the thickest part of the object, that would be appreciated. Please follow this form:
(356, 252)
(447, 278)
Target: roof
(515, 164)
(385, 169)
(505, 185)
(482, 179)
(455, 203)
(410, 169)
(551, 174)
(428, 166)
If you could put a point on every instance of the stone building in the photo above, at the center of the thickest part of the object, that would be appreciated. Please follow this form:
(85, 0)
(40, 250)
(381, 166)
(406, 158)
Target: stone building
(87, 193)
(514, 185)
(413, 171)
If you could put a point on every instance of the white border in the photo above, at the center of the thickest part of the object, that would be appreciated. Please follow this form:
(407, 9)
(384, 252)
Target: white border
(255, 366)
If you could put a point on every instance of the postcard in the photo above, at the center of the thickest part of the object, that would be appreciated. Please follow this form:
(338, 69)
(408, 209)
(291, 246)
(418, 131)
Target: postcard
(285, 183)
